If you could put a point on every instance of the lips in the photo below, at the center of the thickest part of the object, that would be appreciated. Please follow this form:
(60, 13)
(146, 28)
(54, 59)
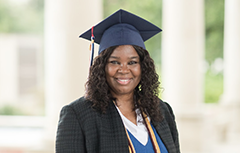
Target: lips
(123, 81)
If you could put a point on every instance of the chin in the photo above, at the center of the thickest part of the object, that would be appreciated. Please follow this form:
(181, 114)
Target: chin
(124, 92)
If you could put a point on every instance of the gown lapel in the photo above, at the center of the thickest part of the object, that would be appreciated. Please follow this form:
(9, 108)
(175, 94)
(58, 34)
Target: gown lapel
(118, 130)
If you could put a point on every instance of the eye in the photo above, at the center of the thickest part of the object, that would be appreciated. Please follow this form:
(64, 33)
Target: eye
(114, 62)
(132, 62)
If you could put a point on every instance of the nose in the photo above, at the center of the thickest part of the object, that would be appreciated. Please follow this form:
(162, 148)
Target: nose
(123, 68)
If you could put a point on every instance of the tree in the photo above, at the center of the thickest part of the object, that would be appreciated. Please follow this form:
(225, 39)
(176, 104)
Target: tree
(214, 24)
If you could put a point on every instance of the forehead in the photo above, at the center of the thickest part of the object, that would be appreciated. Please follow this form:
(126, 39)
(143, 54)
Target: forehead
(124, 51)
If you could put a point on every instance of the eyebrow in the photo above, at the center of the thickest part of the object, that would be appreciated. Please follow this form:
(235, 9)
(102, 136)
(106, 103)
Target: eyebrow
(133, 57)
(114, 57)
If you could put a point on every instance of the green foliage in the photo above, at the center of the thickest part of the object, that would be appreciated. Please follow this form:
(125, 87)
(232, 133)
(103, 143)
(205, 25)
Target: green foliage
(213, 87)
(10, 110)
(214, 24)
(16, 17)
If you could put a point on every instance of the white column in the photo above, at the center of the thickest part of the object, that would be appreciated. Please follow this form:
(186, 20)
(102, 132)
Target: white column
(182, 58)
(231, 96)
(66, 56)
(9, 92)
(232, 51)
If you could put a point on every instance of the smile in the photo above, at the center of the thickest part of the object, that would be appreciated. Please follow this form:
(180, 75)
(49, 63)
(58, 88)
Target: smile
(123, 81)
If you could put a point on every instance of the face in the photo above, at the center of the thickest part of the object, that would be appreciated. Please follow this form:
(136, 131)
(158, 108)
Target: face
(123, 70)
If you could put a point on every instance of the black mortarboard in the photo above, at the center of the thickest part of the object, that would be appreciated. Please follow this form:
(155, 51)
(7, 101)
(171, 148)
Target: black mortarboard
(121, 28)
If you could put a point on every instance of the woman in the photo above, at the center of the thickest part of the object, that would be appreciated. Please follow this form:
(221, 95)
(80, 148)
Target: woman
(120, 111)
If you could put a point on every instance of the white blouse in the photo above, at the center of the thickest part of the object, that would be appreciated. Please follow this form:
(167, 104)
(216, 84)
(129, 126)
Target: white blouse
(139, 131)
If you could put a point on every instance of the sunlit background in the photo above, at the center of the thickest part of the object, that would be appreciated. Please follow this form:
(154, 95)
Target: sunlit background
(44, 65)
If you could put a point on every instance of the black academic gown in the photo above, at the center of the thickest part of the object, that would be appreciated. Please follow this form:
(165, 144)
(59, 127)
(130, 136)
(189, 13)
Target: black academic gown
(81, 129)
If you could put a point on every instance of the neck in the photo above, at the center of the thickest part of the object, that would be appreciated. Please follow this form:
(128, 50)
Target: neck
(125, 101)
(125, 104)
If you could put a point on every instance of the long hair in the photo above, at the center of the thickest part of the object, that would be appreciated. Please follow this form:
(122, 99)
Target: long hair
(145, 94)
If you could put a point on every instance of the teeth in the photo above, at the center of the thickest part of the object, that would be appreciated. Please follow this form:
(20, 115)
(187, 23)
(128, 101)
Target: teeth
(122, 80)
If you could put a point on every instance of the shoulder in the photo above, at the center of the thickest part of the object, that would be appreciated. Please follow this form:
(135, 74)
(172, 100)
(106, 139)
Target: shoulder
(80, 108)
(169, 119)
(165, 107)
(80, 111)
(168, 116)
(167, 112)
(80, 104)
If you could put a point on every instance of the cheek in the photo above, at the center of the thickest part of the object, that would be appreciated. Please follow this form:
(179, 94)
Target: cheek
(137, 71)
(109, 71)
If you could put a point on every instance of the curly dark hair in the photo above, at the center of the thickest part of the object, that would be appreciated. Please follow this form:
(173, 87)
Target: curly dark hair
(146, 92)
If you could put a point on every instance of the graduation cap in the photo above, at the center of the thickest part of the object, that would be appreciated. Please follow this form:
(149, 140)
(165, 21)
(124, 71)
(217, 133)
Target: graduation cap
(120, 28)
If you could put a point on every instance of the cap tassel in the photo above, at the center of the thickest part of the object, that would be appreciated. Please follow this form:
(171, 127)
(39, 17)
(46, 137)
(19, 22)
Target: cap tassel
(92, 48)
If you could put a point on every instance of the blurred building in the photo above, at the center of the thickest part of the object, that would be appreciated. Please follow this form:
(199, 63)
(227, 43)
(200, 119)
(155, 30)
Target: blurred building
(21, 71)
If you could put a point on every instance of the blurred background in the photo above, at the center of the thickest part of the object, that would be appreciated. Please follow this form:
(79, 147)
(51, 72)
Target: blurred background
(44, 65)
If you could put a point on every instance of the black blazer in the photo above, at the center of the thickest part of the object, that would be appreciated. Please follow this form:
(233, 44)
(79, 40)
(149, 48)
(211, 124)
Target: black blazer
(81, 129)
